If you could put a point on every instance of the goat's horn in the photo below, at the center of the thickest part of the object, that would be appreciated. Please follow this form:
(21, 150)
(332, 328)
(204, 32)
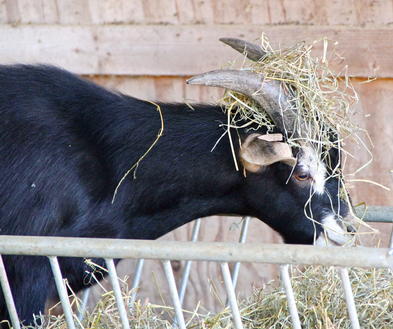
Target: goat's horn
(252, 51)
(268, 93)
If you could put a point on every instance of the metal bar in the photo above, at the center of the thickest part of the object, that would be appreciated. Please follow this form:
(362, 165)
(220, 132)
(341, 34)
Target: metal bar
(187, 266)
(83, 306)
(242, 239)
(174, 295)
(135, 283)
(286, 280)
(351, 307)
(226, 274)
(62, 291)
(9, 300)
(201, 251)
(381, 214)
(117, 291)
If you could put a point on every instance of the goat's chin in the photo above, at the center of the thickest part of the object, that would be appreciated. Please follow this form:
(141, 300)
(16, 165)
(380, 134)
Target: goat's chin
(333, 234)
(324, 241)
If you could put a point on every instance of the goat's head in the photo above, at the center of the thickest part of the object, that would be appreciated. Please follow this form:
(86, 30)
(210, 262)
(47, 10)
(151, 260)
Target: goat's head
(289, 188)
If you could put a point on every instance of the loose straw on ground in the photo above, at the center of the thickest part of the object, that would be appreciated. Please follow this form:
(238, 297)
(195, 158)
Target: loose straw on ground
(319, 298)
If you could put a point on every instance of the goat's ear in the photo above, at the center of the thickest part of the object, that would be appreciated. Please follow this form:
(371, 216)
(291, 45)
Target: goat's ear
(258, 151)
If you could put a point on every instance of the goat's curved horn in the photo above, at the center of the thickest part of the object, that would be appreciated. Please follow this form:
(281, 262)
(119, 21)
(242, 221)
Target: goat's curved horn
(268, 93)
(251, 50)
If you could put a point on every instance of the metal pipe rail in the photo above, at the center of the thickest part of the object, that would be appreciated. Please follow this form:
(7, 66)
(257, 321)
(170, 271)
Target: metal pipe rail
(375, 214)
(368, 213)
(202, 251)
(189, 251)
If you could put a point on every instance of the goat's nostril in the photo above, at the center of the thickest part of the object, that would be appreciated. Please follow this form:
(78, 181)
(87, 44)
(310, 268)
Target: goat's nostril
(351, 229)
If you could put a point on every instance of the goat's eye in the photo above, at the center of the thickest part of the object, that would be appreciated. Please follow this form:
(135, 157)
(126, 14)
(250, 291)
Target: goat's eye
(302, 176)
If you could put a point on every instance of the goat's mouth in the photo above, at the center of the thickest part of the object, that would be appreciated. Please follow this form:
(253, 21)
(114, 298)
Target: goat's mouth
(335, 232)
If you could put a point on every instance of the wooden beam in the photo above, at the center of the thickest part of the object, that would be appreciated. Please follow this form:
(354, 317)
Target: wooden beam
(266, 12)
(178, 50)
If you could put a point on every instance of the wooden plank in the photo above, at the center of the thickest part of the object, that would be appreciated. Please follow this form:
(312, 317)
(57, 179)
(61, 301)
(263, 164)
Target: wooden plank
(373, 113)
(161, 11)
(12, 11)
(163, 89)
(267, 12)
(36, 12)
(116, 12)
(139, 87)
(178, 50)
(73, 11)
(3, 12)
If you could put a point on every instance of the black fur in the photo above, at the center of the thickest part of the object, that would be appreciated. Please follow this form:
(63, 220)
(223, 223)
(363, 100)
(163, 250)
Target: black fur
(66, 143)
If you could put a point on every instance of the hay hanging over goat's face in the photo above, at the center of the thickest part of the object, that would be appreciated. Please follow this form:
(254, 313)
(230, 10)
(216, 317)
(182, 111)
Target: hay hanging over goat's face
(321, 99)
(290, 89)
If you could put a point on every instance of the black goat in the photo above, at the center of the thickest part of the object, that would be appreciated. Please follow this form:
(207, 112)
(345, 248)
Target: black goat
(66, 143)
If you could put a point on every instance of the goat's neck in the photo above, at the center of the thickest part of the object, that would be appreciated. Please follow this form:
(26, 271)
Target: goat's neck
(180, 179)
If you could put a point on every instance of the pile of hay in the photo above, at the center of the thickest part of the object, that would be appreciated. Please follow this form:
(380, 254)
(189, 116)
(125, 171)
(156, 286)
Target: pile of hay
(321, 303)
(318, 292)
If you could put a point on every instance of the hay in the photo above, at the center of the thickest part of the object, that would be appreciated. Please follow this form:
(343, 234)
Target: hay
(135, 166)
(320, 300)
(321, 97)
(318, 292)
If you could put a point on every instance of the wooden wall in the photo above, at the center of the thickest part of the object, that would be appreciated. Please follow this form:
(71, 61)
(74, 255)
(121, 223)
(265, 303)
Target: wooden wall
(147, 48)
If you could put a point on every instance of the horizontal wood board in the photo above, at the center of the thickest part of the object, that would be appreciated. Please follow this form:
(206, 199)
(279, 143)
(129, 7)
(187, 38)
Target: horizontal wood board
(156, 50)
(267, 12)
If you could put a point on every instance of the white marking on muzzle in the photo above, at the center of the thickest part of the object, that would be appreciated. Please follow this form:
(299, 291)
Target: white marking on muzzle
(309, 161)
(333, 234)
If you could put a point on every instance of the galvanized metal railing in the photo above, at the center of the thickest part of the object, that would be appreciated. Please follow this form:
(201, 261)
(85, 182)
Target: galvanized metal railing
(53, 247)
(380, 214)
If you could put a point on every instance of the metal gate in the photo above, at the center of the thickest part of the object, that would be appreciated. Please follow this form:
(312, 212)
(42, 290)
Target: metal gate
(109, 249)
